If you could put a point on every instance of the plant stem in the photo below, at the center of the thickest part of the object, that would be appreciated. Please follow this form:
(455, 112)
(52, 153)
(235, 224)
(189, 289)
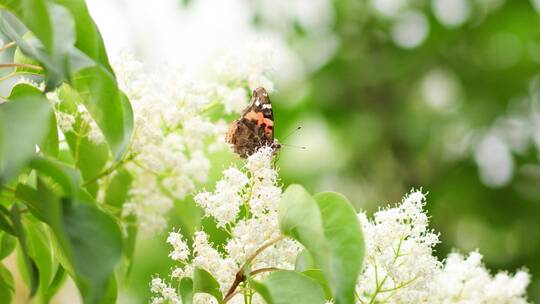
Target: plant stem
(261, 270)
(109, 170)
(20, 65)
(9, 189)
(7, 46)
(241, 275)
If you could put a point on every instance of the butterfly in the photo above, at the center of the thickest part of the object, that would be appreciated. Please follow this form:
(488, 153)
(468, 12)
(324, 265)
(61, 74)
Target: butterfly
(255, 127)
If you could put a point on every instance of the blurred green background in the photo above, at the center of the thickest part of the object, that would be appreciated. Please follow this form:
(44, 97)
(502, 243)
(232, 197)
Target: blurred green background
(397, 94)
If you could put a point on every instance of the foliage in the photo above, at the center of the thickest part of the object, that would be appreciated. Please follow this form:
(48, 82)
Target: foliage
(47, 200)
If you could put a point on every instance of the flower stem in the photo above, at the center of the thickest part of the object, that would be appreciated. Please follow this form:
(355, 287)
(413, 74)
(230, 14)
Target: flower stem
(109, 170)
(7, 46)
(241, 275)
(20, 65)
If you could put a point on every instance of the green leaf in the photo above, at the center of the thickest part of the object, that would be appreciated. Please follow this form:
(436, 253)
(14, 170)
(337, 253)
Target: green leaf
(130, 242)
(67, 177)
(24, 122)
(20, 58)
(50, 145)
(57, 282)
(39, 249)
(344, 234)
(89, 238)
(186, 290)
(285, 287)
(5, 224)
(53, 48)
(96, 244)
(7, 244)
(6, 285)
(89, 40)
(300, 218)
(204, 282)
(108, 106)
(117, 191)
(304, 261)
(30, 265)
(34, 14)
(89, 157)
(317, 276)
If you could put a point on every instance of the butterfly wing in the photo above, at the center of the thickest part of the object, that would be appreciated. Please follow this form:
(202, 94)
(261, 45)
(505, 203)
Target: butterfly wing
(255, 128)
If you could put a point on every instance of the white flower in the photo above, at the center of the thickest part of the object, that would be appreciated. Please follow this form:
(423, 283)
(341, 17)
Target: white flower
(164, 293)
(172, 138)
(399, 266)
(65, 121)
(256, 190)
(180, 248)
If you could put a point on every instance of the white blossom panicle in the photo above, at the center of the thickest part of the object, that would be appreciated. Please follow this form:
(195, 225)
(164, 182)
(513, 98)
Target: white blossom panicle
(255, 189)
(180, 248)
(399, 247)
(172, 139)
(399, 266)
(465, 280)
(163, 293)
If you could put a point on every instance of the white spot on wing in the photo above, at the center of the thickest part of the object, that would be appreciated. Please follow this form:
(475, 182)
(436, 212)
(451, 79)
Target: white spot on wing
(267, 106)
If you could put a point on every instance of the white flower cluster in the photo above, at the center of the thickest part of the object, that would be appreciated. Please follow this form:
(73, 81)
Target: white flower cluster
(173, 136)
(167, 293)
(399, 266)
(66, 120)
(255, 191)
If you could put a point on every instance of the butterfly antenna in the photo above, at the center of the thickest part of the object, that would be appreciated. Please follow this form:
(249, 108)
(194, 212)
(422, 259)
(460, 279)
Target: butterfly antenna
(291, 133)
(294, 146)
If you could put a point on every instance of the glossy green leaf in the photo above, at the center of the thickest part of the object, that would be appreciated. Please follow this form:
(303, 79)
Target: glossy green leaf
(344, 234)
(89, 40)
(108, 106)
(39, 249)
(129, 242)
(53, 48)
(317, 276)
(89, 238)
(96, 244)
(25, 121)
(300, 218)
(285, 287)
(186, 290)
(88, 156)
(34, 14)
(50, 145)
(32, 271)
(20, 58)
(304, 261)
(5, 224)
(7, 244)
(57, 282)
(67, 177)
(204, 282)
(117, 191)
(6, 285)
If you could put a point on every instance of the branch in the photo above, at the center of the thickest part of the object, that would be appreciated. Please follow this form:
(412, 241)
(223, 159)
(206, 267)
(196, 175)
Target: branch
(20, 65)
(241, 275)
(109, 170)
(7, 46)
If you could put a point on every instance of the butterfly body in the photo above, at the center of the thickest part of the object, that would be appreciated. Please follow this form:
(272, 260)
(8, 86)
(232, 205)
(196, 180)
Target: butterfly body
(255, 127)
